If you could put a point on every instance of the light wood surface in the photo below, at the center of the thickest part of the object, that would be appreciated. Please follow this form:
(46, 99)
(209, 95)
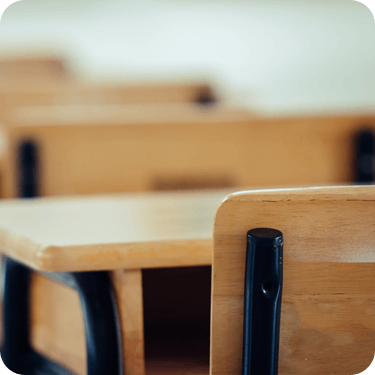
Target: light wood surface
(56, 324)
(327, 319)
(110, 150)
(36, 92)
(129, 297)
(18, 70)
(110, 232)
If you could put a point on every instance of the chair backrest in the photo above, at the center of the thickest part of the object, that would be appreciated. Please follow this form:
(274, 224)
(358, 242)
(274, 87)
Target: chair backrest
(93, 149)
(328, 297)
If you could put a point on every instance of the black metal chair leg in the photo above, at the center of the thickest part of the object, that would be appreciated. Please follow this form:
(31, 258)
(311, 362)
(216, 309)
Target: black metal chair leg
(100, 320)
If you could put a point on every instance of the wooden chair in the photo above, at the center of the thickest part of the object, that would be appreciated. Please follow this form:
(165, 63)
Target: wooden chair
(327, 310)
(67, 243)
(114, 149)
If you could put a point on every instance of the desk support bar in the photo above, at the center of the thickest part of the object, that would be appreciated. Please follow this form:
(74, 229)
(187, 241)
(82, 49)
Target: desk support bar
(262, 308)
(100, 320)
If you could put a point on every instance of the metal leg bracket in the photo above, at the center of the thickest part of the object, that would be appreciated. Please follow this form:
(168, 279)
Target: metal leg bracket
(100, 320)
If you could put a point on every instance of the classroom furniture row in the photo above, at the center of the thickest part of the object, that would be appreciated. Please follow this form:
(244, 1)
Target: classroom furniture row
(72, 150)
(46, 81)
(320, 267)
(74, 92)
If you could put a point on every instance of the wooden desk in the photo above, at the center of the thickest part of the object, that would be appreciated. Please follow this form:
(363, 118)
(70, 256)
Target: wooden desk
(124, 234)
(112, 149)
(37, 92)
(110, 232)
(18, 70)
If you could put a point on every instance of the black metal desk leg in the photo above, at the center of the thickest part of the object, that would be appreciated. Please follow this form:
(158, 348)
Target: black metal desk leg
(28, 170)
(100, 320)
(263, 289)
(102, 341)
(364, 163)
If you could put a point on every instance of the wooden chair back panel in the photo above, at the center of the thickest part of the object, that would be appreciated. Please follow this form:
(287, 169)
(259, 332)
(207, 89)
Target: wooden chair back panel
(328, 313)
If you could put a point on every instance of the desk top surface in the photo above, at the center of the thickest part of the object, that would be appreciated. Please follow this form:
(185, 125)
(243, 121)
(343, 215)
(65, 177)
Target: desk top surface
(109, 232)
(130, 114)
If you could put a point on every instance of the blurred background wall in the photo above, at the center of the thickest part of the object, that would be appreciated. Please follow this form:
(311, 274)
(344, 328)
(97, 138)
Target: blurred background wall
(279, 57)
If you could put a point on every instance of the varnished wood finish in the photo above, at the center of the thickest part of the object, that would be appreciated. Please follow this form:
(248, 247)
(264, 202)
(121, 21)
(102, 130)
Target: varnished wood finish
(89, 150)
(327, 321)
(120, 233)
(136, 231)
(129, 297)
(56, 324)
(110, 232)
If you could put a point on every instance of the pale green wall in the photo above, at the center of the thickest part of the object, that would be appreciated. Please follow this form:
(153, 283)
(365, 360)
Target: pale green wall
(279, 56)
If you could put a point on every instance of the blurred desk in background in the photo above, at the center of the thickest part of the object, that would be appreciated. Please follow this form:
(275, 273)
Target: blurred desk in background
(19, 70)
(36, 92)
(114, 149)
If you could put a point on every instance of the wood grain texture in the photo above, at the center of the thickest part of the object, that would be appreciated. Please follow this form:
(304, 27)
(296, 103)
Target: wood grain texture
(111, 150)
(129, 297)
(328, 320)
(110, 232)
